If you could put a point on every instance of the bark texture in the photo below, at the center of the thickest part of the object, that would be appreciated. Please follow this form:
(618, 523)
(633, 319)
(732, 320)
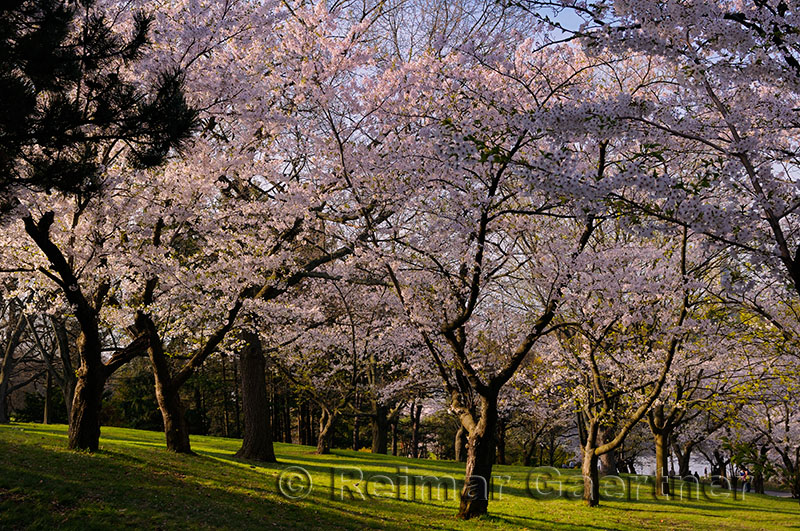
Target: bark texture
(257, 439)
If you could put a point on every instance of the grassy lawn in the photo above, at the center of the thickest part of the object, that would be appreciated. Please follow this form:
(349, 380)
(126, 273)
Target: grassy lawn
(134, 482)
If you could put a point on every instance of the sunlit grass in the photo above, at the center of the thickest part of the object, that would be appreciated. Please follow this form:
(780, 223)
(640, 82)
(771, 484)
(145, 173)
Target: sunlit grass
(134, 482)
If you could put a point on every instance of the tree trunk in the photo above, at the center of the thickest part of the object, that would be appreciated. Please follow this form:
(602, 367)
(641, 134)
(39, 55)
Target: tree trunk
(167, 395)
(529, 454)
(237, 421)
(357, 426)
(257, 437)
(84, 420)
(501, 442)
(416, 411)
(684, 455)
(175, 428)
(608, 464)
(287, 419)
(480, 458)
(3, 401)
(70, 383)
(68, 377)
(608, 461)
(7, 366)
(380, 429)
(591, 477)
(461, 444)
(325, 436)
(301, 424)
(225, 415)
(662, 477)
(48, 398)
(394, 437)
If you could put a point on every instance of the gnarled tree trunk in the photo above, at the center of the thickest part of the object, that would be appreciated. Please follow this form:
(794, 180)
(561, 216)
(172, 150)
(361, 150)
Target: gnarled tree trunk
(167, 392)
(684, 455)
(480, 458)
(257, 439)
(84, 420)
(461, 444)
(325, 437)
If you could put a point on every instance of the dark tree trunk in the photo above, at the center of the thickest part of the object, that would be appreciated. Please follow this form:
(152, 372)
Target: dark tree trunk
(302, 421)
(684, 455)
(416, 412)
(501, 442)
(7, 366)
(48, 398)
(394, 437)
(662, 455)
(380, 429)
(325, 436)
(201, 412)
(225, 414)
(357, 424)
(480, 458)
(275, 411)
(608, 461)
(257, 437)
(529, 454)
(68, 378)
(3, 401)
(461, 444)
(70, 383)
(287, 419)
(758, 475)
(175, 428)
(237, 421)
(608, 464)
(167, 393)
(84, 420)
(591, 477)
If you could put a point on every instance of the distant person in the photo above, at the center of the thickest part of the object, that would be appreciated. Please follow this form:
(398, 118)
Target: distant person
(745, 477)
(697, 476)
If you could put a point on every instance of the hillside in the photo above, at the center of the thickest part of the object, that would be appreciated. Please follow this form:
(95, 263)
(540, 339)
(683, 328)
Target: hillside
(134, 482)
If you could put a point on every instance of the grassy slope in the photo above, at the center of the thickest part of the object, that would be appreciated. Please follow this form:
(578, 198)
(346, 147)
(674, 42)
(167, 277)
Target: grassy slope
(134, 482)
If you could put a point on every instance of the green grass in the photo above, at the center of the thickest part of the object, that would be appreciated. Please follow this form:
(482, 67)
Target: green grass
(134, 482)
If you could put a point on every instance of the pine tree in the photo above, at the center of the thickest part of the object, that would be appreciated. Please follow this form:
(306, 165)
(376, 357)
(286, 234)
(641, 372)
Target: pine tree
(65, 110)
